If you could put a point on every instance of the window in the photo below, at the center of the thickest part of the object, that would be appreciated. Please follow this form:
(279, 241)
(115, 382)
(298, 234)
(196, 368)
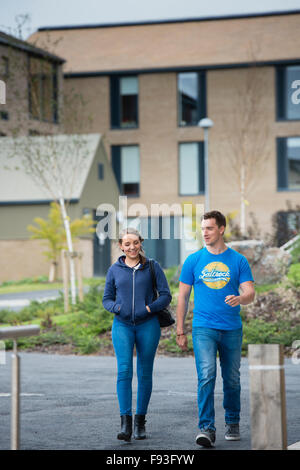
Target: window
(124, 102)
(288, 93)
(4, 67)
(288, 163)
(43, 103)
(191, 168)
(126, 167)
(191, 98)
(4, 115)
(100, 171)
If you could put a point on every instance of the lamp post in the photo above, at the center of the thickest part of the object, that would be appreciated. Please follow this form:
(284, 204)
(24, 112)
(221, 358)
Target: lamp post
(206, 124)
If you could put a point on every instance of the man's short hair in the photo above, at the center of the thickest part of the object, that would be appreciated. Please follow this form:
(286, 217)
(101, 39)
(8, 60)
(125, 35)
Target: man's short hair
(218, 216)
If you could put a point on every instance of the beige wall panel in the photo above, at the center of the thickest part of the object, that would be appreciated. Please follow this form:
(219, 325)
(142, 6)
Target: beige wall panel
(24, 258)
(192, 43)
(95, 108)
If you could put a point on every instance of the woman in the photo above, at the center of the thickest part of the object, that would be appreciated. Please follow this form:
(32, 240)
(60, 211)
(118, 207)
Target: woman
(129, 295)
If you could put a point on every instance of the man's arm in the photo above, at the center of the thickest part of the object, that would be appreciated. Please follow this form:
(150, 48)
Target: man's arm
(245, 298)
(182, 308)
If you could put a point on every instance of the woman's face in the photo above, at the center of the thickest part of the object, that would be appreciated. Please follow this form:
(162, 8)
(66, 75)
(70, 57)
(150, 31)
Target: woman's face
(131, 245)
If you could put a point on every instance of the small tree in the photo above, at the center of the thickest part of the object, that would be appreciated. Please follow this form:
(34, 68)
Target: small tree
(246, 132)
(53, 233)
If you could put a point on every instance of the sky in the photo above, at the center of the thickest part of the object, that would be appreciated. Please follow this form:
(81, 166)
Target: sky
(76, 12)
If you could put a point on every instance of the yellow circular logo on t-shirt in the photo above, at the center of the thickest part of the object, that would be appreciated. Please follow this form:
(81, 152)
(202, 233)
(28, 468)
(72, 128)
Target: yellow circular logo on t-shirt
(215, 275)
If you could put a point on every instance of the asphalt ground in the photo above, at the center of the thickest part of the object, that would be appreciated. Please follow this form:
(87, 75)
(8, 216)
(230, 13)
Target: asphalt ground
(70, 403)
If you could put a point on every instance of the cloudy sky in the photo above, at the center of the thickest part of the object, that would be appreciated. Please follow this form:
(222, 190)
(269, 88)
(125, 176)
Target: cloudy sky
(74, 12)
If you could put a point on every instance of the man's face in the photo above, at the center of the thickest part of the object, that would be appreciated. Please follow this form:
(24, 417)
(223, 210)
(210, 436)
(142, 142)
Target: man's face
(212, 234)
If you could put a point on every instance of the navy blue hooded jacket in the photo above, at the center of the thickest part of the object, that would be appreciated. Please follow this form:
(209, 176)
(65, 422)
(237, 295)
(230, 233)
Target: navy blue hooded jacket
(128, 291)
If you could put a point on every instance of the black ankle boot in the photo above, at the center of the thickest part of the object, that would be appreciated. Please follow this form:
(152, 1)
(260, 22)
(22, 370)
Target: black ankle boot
(139, 431)
(126, 428)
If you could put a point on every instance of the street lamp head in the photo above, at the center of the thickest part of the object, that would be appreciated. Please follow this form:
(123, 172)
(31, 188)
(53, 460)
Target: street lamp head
(205, 123)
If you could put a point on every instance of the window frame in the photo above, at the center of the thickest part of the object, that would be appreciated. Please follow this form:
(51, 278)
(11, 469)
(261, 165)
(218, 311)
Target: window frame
(116, 102)
(280, 82)
(201, 99)
(117, 168)
(201, 162)
(42, 77)
(5, 60)
(281, 154)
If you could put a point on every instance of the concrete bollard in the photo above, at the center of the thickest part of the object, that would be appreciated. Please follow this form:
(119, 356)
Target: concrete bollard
(267, 397)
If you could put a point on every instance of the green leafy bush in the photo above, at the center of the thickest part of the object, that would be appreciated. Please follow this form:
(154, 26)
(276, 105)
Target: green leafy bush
(294, 275)
(257, 331)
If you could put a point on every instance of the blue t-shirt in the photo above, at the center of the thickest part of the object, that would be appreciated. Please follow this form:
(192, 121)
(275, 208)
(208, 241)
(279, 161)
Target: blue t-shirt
(214, 277)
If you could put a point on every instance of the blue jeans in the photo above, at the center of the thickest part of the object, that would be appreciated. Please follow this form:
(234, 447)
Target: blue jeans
(146, 338)
(207, 342)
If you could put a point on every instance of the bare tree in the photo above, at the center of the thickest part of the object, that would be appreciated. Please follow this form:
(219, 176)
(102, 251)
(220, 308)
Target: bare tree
(247, 132)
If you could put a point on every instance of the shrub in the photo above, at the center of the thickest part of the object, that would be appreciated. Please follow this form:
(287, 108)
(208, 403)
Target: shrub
(294, 275)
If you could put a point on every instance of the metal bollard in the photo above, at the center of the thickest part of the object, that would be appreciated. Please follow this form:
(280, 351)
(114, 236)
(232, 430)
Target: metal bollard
(15, 332)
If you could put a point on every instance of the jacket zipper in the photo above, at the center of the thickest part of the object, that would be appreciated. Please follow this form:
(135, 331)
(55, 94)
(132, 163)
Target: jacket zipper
(133, 277)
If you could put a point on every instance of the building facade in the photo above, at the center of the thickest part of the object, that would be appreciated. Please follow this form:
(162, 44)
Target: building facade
(147, 86)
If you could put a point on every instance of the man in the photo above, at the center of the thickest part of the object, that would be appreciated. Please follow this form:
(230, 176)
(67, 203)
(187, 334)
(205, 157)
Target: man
(217, 272)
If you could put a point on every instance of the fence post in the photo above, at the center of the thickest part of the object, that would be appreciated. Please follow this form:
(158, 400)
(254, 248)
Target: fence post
(267, 397)
(64, 268)
(15, 401)
(15, 332)
(79, 276)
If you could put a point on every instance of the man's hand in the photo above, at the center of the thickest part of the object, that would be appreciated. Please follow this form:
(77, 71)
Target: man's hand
(233, 300)
(246, 297)
(182, 342)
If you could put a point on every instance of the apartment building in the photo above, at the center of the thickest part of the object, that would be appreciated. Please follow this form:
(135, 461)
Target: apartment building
(147, 85)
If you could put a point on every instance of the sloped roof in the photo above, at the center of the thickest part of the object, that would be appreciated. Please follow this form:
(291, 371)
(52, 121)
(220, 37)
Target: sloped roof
(16, 43)
(65, 160)
(175, 44)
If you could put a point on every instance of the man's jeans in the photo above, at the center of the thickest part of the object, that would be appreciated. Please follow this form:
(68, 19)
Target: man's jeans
(146, 338)
(207, 342)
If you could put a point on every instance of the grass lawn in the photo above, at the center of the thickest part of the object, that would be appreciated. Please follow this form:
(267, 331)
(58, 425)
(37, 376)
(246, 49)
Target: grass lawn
(36, 284)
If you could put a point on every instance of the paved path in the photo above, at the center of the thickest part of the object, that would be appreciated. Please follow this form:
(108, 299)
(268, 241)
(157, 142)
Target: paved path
(69, 402)
(16, 301)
